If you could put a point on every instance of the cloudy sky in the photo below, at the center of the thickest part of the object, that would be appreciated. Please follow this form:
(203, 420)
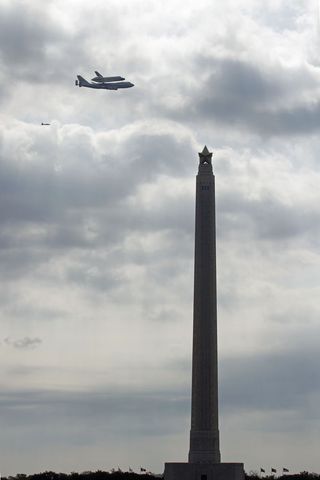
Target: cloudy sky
(97, 225)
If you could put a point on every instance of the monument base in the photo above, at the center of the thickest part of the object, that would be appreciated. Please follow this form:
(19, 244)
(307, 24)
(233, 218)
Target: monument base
(203, 471)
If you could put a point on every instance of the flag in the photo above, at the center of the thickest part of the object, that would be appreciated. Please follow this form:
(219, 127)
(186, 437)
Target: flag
(285, 470)
(273, 470)
(262, 470)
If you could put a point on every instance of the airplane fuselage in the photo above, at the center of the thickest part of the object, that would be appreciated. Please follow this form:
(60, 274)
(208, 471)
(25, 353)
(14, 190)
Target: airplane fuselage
(108, 86)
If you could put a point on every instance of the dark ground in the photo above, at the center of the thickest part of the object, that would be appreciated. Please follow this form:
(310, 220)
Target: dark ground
(119, 475)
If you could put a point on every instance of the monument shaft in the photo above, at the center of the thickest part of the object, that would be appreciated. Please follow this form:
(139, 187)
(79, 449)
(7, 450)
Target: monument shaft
(204, 455)
(204, 435)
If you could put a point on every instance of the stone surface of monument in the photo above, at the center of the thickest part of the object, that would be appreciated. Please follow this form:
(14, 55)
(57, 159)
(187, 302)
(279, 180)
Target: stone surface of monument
(204, 456)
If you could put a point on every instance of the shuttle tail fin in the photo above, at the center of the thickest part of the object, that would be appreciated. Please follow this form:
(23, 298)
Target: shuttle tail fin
(98, 74)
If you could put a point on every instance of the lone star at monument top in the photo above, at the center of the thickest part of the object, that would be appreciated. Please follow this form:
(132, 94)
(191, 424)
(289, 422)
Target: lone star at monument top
(205, 156)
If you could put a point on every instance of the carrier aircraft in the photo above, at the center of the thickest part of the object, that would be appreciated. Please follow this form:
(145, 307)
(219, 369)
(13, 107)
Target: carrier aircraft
(104, 83)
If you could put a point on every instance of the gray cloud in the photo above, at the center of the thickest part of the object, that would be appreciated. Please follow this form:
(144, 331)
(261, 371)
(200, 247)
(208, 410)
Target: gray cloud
(268, 217)
(47, 212)
(154, 413)
(23, 343)
(38, 192)
(274, 381)
(35, 45)
(269, 100)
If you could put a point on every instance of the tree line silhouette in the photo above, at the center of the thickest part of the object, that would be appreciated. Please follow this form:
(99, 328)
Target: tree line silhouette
(130, 475)
(98, 475)
(295, 476)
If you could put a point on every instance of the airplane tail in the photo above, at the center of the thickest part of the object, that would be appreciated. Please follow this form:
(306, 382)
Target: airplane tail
(82, 81)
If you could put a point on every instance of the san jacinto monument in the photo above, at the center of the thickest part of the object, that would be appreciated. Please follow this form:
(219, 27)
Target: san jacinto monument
(204, 461)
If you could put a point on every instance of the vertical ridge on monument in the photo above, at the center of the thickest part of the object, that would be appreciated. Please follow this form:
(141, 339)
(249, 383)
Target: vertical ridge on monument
(204, 461)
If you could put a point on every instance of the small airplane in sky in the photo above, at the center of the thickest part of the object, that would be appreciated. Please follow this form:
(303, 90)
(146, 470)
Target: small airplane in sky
(105, 83)
(45, 123)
